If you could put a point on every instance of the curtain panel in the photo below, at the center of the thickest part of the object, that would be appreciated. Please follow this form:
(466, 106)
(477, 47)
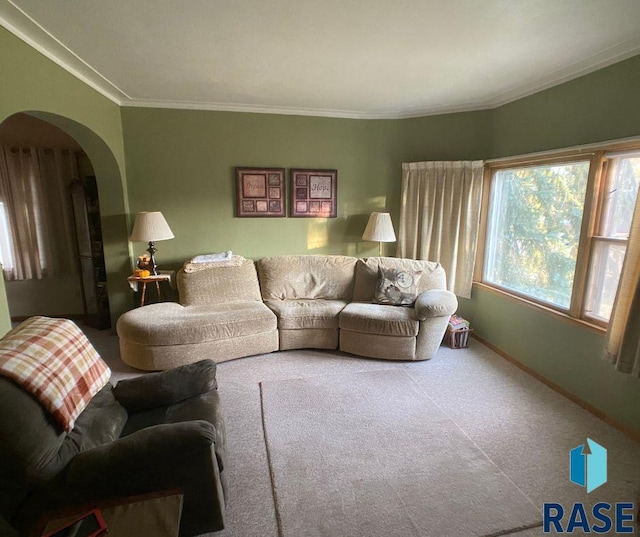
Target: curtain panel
(622, 342)
(37, 215)
(439, 217)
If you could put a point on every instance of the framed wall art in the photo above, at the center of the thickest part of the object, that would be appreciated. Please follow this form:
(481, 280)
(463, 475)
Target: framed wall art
(314, 193)
(260, 192)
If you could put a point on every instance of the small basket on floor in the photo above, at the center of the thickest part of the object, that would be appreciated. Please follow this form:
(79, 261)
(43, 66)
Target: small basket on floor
(457, 338)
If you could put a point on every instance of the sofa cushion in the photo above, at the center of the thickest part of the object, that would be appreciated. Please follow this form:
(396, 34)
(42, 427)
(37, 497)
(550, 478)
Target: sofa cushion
(166, 387)
(54, 361)
(301, 314)
(194, 324)
(219, 285)
(379, 319)
(99, 424)
(366, 276)
(306, 276)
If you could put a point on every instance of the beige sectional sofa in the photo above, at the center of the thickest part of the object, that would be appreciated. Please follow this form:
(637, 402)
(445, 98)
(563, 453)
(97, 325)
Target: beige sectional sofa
(307, 294)
(221, 316)
(306, 301)
(396, 332)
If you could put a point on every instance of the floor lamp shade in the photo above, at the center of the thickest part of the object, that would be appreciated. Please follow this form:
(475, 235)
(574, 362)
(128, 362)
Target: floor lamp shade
(150, 226)
(379, 228)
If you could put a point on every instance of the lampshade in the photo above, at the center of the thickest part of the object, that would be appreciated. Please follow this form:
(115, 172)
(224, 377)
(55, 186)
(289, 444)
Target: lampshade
(379, 228)
(150, 226)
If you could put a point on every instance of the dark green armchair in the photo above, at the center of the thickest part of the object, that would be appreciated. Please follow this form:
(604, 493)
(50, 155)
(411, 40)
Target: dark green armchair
(156, 432)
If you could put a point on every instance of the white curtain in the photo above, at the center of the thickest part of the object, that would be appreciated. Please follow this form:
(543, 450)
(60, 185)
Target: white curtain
(622, 343)
(36, 220)
(439, 217)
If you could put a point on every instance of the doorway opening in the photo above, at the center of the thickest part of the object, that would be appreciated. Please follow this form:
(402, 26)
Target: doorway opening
(50, 226)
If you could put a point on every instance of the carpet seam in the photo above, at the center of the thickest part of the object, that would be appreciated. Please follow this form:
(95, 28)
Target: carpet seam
(515, 530)
(408, 373)
(269, 463)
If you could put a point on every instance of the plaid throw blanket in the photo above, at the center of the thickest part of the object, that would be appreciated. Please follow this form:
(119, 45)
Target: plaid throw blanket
(54, 361)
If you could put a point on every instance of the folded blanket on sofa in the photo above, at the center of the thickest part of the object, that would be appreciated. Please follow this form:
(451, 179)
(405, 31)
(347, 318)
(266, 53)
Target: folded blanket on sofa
(193, 266)
(212, 258)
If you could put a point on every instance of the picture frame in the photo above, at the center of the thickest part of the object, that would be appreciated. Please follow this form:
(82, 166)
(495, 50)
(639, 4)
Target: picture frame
(260, 192)
(313, 193)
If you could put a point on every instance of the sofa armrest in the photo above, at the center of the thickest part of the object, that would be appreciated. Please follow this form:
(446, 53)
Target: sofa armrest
(166, 387)
(435, 303)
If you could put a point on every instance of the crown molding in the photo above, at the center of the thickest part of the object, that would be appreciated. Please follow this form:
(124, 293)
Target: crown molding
(28, 30)
(247, 108)
(315, 112)
(620, 52)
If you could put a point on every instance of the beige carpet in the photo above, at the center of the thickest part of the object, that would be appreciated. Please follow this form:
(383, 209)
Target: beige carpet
(369, 454)
(524, 428)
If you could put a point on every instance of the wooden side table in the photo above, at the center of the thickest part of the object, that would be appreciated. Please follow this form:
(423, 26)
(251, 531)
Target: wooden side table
(135, 280)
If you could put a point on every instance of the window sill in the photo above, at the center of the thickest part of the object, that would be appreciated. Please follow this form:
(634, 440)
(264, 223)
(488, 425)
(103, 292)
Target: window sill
(539, 307)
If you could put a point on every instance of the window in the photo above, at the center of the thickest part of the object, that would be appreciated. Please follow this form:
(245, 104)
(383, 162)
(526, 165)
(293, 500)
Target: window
(609, 243)
(557, 229)
(534, 230)
(6, 249)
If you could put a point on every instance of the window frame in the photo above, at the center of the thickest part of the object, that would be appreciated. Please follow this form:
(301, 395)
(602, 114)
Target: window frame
(605, 159)
(595, 194)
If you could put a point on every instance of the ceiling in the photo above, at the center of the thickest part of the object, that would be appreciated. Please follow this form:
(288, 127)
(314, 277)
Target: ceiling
(336, 58)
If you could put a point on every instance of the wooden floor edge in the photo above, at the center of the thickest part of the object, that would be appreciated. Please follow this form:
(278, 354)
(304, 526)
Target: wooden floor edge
(631, 433)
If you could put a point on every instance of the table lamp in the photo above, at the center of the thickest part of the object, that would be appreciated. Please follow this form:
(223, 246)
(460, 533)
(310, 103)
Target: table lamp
(379, 228)
(150, 226)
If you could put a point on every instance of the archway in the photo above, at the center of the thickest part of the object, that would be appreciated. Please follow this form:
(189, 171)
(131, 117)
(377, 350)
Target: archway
(113, 204)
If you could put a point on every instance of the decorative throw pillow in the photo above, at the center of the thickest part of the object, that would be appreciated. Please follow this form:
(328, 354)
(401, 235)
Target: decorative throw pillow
(397, 287)
(54, 361)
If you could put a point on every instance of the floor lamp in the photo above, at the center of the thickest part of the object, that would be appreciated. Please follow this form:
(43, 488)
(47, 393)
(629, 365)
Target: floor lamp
(379, 228)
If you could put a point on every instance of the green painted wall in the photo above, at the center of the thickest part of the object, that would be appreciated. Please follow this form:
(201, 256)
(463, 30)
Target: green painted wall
(32, 83)
(601, 106)
(182, 162)
(597, 107)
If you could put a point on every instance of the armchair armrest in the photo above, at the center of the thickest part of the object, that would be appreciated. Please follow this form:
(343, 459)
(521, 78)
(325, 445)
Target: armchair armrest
(162, 457)
(435, 303)
(166, 387)
(152, 459)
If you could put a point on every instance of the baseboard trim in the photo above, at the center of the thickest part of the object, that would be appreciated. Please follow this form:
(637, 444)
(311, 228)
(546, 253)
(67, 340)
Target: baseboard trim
(628, 431)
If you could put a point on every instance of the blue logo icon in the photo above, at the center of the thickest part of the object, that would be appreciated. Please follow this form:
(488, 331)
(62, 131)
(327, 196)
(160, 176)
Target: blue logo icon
(588, 465)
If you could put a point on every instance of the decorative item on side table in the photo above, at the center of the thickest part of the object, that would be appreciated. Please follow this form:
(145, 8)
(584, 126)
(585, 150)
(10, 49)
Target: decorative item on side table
(457, 334)
(379, 228)
(314, 193)
(151, 227)
(260, 192)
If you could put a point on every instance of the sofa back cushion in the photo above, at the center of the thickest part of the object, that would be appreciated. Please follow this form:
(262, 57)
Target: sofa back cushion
(289, 277)
(219, 285)
(366, 280)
